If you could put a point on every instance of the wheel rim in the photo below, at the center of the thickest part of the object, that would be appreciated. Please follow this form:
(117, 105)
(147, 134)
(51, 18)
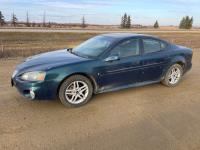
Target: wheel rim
(76, 92)
(174, 75)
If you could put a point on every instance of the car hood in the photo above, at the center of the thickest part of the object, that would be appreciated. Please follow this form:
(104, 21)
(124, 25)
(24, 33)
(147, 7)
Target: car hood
(49, 60)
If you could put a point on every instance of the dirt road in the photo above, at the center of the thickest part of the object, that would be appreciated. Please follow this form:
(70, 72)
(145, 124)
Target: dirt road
(57, 30)
(153, 117)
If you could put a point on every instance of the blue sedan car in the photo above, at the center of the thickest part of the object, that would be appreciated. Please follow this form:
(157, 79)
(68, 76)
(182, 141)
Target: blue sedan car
(107, 62)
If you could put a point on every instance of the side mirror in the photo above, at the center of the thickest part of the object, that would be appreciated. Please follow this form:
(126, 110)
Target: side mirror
(112, 58)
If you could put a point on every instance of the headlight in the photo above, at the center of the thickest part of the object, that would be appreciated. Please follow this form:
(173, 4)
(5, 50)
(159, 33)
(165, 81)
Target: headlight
(34, 76)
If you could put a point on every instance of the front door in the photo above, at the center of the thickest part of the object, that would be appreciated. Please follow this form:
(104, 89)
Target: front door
(124, 69)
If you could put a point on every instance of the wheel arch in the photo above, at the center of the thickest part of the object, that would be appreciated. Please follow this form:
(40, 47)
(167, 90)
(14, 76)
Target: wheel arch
(91, 78)
(179, 60)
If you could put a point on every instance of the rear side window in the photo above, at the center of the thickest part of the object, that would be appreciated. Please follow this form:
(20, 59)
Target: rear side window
(152, 45)
(127, 48)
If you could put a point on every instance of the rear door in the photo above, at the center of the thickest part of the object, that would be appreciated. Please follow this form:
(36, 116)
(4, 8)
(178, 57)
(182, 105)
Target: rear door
(154, 59)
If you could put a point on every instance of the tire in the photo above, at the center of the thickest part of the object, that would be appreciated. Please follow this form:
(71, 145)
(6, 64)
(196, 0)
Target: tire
(75, 91)
(168, 78)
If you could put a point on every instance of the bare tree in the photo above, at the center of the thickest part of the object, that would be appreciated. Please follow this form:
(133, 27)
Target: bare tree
(33, 24)
(2, 20)
(27, 20)
(14, 20)
(49, 25)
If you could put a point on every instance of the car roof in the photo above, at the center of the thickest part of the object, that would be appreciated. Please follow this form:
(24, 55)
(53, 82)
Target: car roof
(121, 36)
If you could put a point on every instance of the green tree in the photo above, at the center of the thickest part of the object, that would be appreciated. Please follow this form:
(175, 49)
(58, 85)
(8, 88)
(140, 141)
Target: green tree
(186, 23)
(182, 23)
(128, 23)
(14, 20)
(2, 20)
(125, 21)
(190, 23)
(122, 22)
(83, 24)
(156, 25)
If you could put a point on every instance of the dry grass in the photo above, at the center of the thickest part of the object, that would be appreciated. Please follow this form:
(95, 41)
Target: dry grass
(25, 44)
(15, 44)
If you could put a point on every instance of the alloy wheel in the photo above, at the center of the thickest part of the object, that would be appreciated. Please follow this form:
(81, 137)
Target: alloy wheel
(76, 92)
(174, 75)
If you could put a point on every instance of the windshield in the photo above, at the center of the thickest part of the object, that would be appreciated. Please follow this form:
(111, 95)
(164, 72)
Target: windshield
(93, 47)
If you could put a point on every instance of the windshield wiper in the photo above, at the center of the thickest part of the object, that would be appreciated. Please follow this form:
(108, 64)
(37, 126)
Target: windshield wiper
(77, 54)
(69, 50)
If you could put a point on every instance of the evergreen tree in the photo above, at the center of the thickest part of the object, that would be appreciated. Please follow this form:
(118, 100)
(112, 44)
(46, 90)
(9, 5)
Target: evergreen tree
(125, 20)
(128, 23)
(122, 22)
(186, 23)
(2, 20)
(83, 25)
(156, 25)
(182, 23)
(14, 20)
(190, 23)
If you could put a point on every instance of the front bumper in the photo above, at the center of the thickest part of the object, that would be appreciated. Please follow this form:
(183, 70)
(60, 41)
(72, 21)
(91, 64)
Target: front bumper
(35, 90)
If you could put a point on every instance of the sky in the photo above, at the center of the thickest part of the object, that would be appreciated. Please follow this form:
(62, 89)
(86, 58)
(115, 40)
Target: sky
(108, 12)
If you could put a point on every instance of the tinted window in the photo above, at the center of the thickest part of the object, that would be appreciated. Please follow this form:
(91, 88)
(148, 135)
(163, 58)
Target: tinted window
(127, 48)
(151, 45)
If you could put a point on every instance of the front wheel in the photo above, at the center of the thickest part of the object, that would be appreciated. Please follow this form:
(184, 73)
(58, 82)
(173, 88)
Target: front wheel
(75, 91)
(173, 75)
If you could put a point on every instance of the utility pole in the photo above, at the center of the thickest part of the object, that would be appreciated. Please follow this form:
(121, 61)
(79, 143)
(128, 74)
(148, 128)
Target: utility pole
(44, 19)
(27, 20)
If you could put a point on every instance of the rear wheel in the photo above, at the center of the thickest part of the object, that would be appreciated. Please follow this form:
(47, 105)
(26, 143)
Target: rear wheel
(75, 91)
(173, 75)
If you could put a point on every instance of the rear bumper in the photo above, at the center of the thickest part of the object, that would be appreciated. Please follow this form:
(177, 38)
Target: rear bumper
(41, 90)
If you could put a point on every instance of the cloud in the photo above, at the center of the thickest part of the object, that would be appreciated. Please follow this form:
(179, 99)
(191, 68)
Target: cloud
(84, 4)
(102, 11)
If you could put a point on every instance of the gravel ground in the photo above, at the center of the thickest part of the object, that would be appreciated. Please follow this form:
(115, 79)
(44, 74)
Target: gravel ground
(147, 118)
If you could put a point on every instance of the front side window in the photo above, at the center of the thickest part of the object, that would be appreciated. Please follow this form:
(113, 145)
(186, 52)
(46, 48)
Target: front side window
(127, 48)
(152, 45)
(93, 47)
